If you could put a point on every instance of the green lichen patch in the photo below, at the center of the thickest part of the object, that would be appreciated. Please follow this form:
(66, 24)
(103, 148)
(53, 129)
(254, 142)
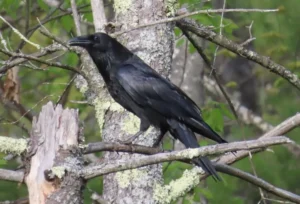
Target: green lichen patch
(189, 153)
(171, 7)
(131, 124)
(11, 145)
(166, 194)
(100, 108)
(83, 88)
(116, 107)
(121, 6)
(58, 171)
(124, 178)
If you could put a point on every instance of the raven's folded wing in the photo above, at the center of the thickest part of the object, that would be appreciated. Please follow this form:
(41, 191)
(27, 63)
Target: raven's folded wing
(150, 90)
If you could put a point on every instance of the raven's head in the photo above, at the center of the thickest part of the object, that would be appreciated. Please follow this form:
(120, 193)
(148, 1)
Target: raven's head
(102, 48)
(95, 42)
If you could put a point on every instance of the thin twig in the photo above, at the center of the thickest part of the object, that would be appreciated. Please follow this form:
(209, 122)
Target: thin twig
(197, 45)
(20, 34)
(220, 33)
(30, 57)
(168, 20)
(257, 182)
(45, 51)
(206, 33)
(247, 116)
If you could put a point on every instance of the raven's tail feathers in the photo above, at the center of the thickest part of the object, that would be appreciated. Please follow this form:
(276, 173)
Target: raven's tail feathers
(205, 130)
(208, 167)
(188, 138)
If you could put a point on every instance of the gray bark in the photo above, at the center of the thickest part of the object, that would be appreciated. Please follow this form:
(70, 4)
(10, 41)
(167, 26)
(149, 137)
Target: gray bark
(154, 45)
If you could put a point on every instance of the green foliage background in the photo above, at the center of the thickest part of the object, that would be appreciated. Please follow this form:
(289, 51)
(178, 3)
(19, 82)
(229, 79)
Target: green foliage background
(277, 36)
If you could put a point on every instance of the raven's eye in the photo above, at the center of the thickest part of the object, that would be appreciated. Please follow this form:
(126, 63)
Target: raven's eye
(96, 38)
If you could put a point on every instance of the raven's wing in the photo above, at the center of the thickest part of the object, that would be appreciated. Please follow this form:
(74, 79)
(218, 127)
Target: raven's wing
(150, 90)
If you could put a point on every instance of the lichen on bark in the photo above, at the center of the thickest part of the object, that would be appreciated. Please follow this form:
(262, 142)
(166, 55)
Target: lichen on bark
(167, 193)
(11, 145)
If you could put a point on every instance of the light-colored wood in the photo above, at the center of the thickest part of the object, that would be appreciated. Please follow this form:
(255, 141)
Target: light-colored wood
(54, 141)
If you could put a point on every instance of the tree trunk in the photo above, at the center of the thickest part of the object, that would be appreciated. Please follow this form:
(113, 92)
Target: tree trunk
(154, 45)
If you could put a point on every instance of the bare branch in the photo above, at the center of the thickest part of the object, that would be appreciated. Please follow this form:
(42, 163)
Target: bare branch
(247, 116)
(109, 146)
(199, 49)
(20, 34)
(105, 168)
(208, 11)
(280, 129)
(76, 17)
(45, 51)
(98, 15)
(258, 182)
(30, 57)
(9, 175)
(266, 62)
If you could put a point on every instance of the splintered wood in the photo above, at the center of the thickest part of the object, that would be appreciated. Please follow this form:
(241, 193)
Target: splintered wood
(52, 153)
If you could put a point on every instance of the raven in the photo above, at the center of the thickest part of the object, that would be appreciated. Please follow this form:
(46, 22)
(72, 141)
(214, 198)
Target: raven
(142, 91)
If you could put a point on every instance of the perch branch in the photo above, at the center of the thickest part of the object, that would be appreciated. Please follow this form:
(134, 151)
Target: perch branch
(105, 168)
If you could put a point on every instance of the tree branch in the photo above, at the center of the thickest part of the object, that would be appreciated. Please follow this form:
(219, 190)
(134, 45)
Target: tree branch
(44, 51)
(247, 116)
(280, 129)
(116, 147)
(105, 168)
(257, 182)
(30, 57)
(197, 45)
(98, 15)
(9, 175)
(208, 34)
(76, 17)
(208, 11)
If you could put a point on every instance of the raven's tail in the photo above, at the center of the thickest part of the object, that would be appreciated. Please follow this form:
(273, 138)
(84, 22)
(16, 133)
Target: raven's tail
(188, 138)
(205, 130)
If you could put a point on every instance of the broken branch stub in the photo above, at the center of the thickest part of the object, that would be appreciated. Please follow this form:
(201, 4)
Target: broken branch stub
(52, 153)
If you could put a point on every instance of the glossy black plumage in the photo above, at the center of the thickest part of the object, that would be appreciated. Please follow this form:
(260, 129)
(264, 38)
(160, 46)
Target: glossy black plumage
(142, 91)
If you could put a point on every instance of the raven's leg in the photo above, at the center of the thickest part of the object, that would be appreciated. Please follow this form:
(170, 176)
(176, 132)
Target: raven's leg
(143, 128)
(160, 137)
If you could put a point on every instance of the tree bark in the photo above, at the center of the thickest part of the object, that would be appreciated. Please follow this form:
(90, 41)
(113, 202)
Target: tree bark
(155, 46)
(52, 152)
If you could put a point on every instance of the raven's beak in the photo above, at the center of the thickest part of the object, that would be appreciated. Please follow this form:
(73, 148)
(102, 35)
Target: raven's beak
(81, 41)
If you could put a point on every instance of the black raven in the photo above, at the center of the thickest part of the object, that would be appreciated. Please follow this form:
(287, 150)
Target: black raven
(142, 91)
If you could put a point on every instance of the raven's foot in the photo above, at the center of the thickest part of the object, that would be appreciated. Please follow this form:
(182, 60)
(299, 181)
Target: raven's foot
(159, 139)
